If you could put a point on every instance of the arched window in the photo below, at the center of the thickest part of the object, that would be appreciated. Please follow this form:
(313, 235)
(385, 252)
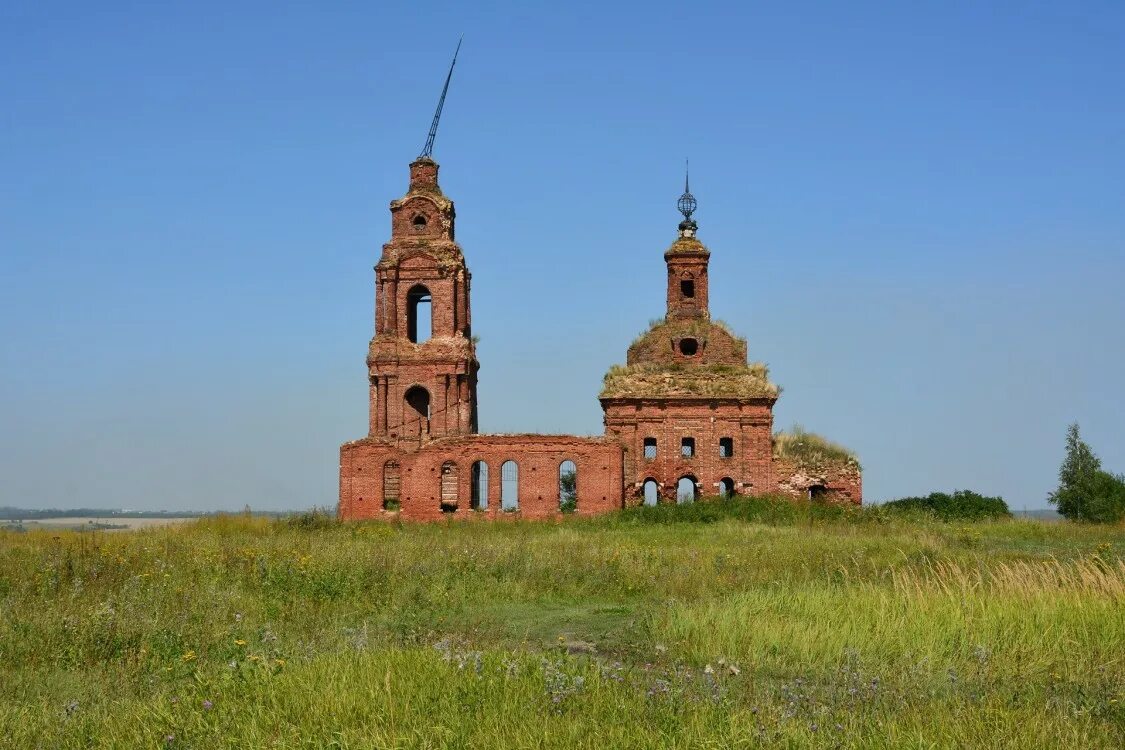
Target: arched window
(419, 223)
(391, 484)
(726, 487)
(479, 499)
(419, 314)
(689, 347)
(417, 405)
(568, 486)
(448, 487)
(818, 492)
(652, 492)
(509, 486)
(685, 490)
(687, 288)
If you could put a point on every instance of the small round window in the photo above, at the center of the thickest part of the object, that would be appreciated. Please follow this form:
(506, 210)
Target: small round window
(689, 347)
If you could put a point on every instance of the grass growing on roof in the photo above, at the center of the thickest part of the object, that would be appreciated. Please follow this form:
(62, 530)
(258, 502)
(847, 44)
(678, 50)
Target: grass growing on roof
(809, 449)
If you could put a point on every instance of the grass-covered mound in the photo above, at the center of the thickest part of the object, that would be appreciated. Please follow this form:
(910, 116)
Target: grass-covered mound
(805, 448)
(615, 632)
(962, 505)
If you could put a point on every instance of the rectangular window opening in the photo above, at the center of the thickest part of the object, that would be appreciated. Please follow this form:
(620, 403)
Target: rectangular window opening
(650, 448)
(726, 447)
(687, 447)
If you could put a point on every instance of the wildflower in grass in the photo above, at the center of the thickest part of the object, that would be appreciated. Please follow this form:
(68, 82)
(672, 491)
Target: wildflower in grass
(207, 705)
(239, 642)
(188, 656)
(254, 657)
(279, 662)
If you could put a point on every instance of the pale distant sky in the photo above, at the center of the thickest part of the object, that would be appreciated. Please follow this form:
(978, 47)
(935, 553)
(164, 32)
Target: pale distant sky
(916, 213)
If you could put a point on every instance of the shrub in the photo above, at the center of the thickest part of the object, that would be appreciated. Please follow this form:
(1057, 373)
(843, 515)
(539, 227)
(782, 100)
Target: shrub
(1097, 498)
(962, 505)
(773, 510)
(311, 520)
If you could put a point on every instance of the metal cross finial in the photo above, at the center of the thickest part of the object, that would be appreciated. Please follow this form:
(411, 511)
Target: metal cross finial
(686, 203)
(429, 149)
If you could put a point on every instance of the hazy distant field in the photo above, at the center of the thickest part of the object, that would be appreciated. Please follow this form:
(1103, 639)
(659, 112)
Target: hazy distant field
(641, 630)
(82, 522)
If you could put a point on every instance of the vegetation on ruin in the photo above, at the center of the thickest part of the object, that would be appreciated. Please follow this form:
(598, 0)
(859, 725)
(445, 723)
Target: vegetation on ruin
(687, 245)
(739, 623)
(807, 449)
(697, 327)
(705, 381)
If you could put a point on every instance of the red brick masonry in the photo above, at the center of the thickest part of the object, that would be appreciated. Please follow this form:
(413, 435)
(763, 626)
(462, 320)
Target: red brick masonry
(425, 482)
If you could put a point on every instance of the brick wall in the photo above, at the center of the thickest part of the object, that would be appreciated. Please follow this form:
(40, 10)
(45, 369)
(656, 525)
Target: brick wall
(538, 457)
(840, 483)
(749, 424)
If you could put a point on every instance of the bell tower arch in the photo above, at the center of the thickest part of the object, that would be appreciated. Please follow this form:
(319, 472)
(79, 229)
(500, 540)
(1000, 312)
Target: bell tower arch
(422, 363)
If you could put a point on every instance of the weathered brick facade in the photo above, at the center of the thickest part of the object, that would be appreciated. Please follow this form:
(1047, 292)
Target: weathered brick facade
(687, 416)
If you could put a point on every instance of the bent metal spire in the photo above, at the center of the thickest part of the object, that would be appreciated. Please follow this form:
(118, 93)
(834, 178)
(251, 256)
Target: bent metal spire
(429, 148)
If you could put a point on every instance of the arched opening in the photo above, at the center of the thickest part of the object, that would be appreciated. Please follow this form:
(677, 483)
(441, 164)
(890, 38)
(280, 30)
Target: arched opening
(818, 492)
(417, 405)
(419, 222)
(419, 314)
(479, 490)
(392, 481)
(726, 487)
(650, 448)
(687, 288)
(689, 347)
(651, 492)
(685, 490)
(509, 486)
(448, 487)
(568, 486)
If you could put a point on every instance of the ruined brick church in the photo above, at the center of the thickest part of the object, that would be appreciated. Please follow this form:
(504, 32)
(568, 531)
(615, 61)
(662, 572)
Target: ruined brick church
(686, 417)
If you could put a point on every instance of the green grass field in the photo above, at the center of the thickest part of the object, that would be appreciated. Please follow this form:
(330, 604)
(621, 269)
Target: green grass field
(721, 625)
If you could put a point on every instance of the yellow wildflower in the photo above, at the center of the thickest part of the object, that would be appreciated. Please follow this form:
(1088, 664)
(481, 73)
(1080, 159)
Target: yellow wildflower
(189, 656)
(239, 642)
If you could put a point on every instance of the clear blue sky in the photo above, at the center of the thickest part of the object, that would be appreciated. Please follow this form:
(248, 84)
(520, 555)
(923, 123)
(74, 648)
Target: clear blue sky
(916, 213)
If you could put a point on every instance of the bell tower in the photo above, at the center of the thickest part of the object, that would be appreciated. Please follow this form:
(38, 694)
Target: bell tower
(687, 266)
(422, 363)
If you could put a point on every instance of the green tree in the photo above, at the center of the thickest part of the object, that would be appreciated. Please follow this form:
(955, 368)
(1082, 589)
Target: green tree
(568, 491)
(1085, 491)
